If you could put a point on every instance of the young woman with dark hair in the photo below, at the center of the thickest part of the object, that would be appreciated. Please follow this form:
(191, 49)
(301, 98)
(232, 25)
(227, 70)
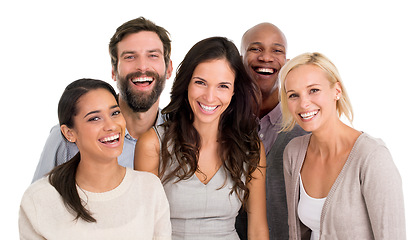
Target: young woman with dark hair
(208, 153)
(91, 196)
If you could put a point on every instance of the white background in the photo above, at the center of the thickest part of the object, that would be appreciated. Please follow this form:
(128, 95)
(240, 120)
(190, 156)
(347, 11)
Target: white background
(45, 45)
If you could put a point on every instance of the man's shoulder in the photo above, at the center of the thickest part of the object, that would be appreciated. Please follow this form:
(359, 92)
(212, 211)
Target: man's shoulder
(283, 139)
(55, 152)
(286, 137)
(57, 142)
(296, 132)
(55, 131)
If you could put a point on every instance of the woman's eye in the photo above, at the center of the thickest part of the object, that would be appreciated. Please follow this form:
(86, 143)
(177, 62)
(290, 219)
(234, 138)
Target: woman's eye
(93, 119)
(224, 86)
(314, 90)
(292, 95)
(115, 113)
(199, 82)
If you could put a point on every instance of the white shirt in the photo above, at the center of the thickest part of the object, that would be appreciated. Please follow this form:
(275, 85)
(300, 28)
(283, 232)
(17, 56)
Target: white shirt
(309, 211)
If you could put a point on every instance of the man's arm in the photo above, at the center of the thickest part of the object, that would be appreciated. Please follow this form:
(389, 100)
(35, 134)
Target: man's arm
(56, 151)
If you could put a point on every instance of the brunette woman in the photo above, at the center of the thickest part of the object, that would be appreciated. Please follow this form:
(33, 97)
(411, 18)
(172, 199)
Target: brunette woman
(208, 153)
(91, 196)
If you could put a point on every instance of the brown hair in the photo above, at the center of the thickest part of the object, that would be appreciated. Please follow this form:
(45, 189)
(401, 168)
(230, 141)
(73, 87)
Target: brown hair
(238, 137)
(134, 26)
(62, 177)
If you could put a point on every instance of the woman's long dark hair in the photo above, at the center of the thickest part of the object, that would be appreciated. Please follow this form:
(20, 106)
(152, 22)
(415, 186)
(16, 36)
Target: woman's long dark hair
(238, 138)
(62, 177)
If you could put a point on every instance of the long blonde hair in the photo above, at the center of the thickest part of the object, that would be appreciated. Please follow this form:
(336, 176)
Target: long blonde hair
(343, 104)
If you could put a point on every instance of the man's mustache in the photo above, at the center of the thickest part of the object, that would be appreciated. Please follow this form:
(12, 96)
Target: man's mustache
(139, 74)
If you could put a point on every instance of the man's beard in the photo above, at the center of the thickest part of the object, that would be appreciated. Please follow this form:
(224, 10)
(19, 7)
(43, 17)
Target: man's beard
(138, 101)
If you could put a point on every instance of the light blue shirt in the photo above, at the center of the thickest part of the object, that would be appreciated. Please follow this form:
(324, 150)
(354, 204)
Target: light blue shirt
(58, 150)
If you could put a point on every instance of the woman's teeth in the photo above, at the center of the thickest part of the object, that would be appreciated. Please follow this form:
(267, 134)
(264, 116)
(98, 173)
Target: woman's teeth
(207, 108)
(110, 139)
(308, 115)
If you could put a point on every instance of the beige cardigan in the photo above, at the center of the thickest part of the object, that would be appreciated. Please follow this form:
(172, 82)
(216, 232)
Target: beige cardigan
(365, 201)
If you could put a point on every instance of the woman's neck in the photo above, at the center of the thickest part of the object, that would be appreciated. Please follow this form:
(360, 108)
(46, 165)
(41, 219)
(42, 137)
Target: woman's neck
(334, 139)
(208, 133)
(99, 177)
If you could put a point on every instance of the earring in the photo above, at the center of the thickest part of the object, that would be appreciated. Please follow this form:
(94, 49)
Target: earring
(337, 97)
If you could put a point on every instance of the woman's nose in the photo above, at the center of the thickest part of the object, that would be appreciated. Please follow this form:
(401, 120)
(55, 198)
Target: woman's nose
(210, 94)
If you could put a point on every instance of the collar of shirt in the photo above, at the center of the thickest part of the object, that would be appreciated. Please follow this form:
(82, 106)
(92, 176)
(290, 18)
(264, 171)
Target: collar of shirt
(160, 118)
(272, 118)
(269, 127)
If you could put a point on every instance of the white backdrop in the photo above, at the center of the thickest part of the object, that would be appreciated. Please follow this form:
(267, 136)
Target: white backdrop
(45, 45)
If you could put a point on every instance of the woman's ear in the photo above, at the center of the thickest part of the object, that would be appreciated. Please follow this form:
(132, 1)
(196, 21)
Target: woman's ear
(338, 90)
(69, 133)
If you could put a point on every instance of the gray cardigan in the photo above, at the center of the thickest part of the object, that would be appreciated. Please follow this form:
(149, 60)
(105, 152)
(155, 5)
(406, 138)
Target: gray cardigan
(275, 190)
(365, 201)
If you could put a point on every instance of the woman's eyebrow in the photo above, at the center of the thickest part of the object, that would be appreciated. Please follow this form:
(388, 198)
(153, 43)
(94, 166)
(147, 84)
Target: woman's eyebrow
(98, 111)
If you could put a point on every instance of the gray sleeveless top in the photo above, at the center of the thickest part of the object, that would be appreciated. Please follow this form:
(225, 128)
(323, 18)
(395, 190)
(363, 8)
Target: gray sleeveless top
(202, 211)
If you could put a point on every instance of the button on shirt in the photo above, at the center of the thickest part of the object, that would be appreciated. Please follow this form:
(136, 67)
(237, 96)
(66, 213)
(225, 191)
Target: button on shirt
(269, 127)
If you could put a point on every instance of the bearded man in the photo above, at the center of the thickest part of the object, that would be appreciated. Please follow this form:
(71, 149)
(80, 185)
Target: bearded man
(140, 57)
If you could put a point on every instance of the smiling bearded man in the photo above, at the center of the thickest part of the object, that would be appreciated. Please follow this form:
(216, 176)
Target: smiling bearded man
(140, 101)
(140, 59)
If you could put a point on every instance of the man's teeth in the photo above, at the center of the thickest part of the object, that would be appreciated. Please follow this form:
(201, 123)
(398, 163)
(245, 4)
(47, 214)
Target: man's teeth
(208, 108)
(142, 79)
(265, 70)
(308, 115)
(110, 139)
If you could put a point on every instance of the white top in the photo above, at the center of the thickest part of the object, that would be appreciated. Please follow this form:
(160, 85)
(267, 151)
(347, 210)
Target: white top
(136, 209)
(365, 201)
(309, 211)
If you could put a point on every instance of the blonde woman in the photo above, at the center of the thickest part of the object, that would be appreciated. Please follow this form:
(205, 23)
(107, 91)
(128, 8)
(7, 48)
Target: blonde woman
(341, 183)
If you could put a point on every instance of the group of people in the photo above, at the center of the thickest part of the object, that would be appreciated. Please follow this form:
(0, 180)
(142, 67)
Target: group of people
(251, 146)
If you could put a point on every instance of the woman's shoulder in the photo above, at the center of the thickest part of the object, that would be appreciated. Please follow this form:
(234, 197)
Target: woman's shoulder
(40, 185)
(366, 144)
(370, 152)
(143, 177)
(298, 142)
(295, 150)
(151, 134)
(374, 162)
(40, 189)
(145, 183)
(149, 138)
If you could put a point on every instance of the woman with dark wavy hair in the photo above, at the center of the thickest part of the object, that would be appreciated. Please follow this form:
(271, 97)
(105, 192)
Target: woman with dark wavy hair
(207, 153)
(91, 196)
